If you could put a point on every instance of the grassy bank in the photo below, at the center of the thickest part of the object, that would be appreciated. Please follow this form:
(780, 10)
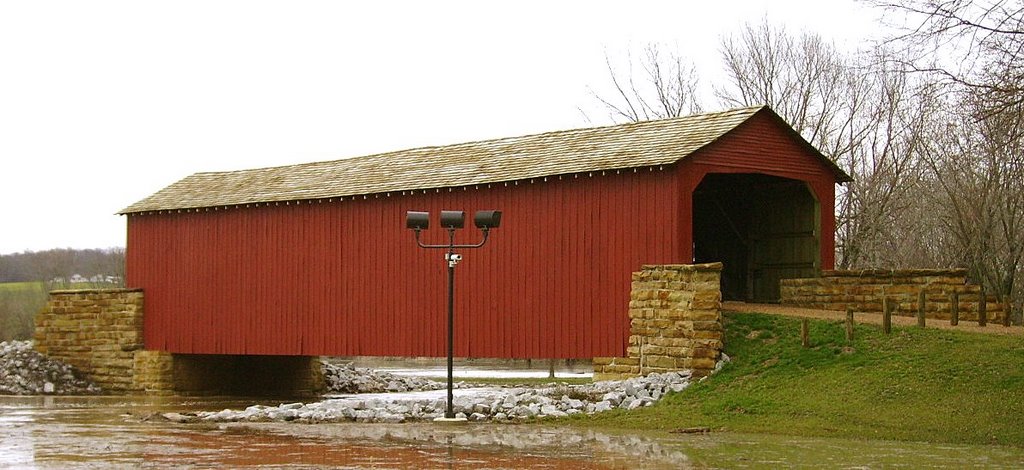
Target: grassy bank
(19, 302)
(918, 385)
(22, 286)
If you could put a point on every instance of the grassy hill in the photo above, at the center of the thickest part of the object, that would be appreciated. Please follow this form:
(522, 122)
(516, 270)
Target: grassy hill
(915, 384)
(39, 286)
(21, 286)
(19, 302)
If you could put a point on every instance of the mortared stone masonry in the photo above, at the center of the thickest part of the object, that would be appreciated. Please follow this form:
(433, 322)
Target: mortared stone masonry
(675, 315)
(99, 332)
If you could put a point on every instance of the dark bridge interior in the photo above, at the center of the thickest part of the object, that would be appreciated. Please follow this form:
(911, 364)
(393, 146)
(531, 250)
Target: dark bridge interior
(257, 376)
(762, 228)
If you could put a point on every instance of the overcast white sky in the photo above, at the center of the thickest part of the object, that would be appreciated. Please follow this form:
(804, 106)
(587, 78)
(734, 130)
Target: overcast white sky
(103, 103)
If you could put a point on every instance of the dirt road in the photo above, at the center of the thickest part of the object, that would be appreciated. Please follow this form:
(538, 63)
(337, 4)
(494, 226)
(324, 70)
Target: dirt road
(870, 318)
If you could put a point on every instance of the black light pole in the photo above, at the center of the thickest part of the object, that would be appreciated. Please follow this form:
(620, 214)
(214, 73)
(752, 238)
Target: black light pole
(452, 221)
(450, 257)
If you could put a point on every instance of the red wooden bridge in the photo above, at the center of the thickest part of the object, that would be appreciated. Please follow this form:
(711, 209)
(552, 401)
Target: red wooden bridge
(314, 259)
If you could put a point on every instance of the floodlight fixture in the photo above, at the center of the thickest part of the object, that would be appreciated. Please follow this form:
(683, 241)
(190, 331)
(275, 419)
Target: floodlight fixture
(486, 220)
(453, 219)
(416, 220)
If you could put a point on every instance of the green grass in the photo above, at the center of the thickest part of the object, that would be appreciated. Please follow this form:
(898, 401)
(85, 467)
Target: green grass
(42, 286)
(21, 286)
(19, 302)
(914, 385)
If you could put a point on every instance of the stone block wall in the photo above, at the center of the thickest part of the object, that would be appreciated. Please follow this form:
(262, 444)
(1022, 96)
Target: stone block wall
(99, 332)
(863, 291)
(675, 322)
(153, 373)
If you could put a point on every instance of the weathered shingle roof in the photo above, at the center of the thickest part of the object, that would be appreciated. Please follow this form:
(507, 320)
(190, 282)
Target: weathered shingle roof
(564, 152)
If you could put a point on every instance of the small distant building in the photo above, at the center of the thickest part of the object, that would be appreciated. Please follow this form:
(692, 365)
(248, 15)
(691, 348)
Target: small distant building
(314, 259)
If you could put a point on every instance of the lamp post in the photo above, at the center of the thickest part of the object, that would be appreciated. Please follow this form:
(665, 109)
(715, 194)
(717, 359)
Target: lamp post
(452, 221)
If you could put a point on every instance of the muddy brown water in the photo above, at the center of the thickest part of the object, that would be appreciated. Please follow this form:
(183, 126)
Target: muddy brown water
(108, 432)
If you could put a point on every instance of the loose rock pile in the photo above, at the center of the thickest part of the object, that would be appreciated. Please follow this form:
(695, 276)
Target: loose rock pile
(23, 371)
(491, 404)
(346, 378)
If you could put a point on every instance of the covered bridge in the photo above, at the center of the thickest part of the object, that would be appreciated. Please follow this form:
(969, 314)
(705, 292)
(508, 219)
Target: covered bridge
(314, 259)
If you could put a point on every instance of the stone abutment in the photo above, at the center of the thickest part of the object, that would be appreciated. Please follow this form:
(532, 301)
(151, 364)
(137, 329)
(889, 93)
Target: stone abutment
(675, 322)
(99, 332)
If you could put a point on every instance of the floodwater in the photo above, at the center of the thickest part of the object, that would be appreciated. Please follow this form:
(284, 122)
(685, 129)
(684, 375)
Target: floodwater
(109, 432)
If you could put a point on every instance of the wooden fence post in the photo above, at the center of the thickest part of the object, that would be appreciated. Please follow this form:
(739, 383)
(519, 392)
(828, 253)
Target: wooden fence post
(982, 307)
(954, 308)
(849, 323)
(805, 339)
(920, 308)
(886, 315)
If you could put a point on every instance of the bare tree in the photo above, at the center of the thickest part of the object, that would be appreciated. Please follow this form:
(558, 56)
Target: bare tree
(893, 113)
(978, 194)
(114, 265)
(800, 77)
(975, 49)
(665, 86)
(976, 45)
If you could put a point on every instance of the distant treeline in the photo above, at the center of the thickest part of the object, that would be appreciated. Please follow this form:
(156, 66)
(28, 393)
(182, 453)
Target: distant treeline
(62, 264)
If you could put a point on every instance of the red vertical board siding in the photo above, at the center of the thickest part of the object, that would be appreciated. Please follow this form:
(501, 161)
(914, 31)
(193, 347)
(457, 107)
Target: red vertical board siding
(574, 298)
(825, 193)
(761, 143)
(346, 277)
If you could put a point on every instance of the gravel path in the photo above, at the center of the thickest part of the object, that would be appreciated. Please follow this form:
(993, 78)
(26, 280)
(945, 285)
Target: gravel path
(870, 318)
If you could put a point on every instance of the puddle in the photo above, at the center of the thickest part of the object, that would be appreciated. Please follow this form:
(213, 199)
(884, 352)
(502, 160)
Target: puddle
(99, 432)
(468, 369)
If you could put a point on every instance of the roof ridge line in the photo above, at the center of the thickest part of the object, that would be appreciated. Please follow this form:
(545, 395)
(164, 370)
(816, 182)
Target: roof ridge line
(567, 151)
(482, 141)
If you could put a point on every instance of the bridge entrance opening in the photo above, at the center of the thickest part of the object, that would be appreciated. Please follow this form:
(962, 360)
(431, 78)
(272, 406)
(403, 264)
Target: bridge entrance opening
(762, 228)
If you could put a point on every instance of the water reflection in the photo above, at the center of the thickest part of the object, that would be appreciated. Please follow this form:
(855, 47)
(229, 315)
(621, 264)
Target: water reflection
(492, 445)
(105, 432)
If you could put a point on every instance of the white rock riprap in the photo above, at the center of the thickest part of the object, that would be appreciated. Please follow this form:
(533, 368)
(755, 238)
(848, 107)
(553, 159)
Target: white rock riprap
(346, 378)
(24, 371)
(475, 404)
